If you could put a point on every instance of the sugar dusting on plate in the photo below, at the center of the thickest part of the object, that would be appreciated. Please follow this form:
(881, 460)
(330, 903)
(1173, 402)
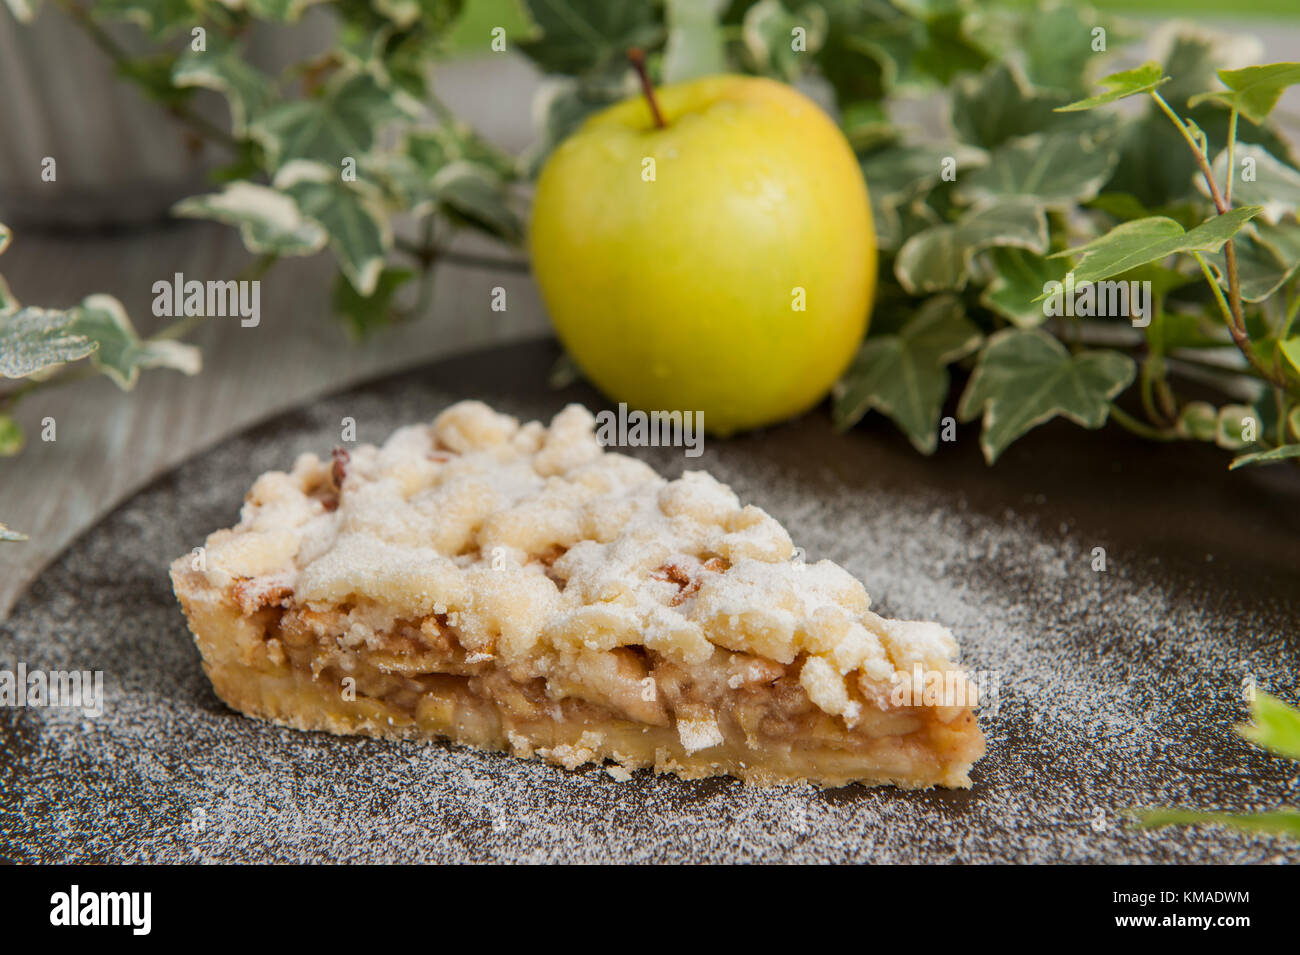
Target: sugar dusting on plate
(1115, 690)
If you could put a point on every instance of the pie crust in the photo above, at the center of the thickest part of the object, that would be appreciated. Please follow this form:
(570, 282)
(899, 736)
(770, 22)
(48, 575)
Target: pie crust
(516, 587)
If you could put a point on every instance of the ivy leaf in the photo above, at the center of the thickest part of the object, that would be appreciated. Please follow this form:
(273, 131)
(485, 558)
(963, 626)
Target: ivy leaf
(328, 128)
(1254, 90)
(8, 303)
(285, 11)
(1135, 243)
(904, 375)
(1290, 349)
(1019, 277)
(1026, 377)
(432, 149)
(1276, 726)
(999, 104)
(33, 339)
(939, 258)
(6, 236)
(1284, 453)
(1057, 169)
(364, 314)
(897, 175)
(358, 233)
(577, 36)
(226, 71)
(269, 221)
(158, 17)
(1284, 822)
(1141, 79)
(1274, 185)
(560, 106)
(121, 352)
(696, 45)
(11, 442)
(475, 194)
(768, 30)
(1261, 271)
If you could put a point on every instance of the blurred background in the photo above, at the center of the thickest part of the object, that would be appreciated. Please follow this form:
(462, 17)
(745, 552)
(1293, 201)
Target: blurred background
(137, 123)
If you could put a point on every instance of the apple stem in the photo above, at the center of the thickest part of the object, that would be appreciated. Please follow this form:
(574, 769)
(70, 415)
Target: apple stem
(637, 59)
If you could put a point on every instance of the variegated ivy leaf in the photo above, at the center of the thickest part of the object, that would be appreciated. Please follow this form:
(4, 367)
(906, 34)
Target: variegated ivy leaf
(767, 30)
(340, 123)
(225, 70)
(358, 231)
(1059, 170)
(1284, 453)
(1290, 350)
(24, 11)
(10, 535)
(158, 17)
(1273, 185)
(578, 36)
(433, 15)
(285, 11)
(1019, 277)
(897, 175)
(1152, 239)
(939, 258)
(121, 352)
(999, 105)
(1261, 270)
(269, 221)
(1253, 90)
(33, 339)
(8, 303)
(432, 149)
(365, 313)
(905, 375)
(5, 236)
(696, 44)
(560, 106)
(1025, 377)
(11, 441)
(472, 192)
(1140, 79)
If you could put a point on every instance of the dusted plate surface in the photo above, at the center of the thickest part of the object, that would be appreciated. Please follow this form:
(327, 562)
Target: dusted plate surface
(1116, 688)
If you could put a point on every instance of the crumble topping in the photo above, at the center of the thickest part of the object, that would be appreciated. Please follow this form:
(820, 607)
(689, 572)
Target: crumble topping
(558, 559)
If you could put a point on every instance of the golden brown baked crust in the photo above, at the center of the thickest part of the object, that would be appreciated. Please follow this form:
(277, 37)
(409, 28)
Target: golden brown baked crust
(515, 587)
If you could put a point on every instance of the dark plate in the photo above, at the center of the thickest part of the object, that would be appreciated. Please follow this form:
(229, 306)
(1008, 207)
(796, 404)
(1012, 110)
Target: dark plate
(1117, 689)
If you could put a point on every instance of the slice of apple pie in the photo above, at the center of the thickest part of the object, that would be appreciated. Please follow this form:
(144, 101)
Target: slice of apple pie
(515, 587)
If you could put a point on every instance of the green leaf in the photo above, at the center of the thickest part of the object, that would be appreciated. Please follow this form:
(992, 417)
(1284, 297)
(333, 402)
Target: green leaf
(1254, 90)
(158, 17)
(285, 11)
(696, 44)
(11, 439)
(939, 258)
(768, 34)
(472, 192)
(1276, 726)
(1135, 243)
(8, 303)
(1059, 170)
(6, 236)
(33, 339)
(1284, 822)
(1198, 421)
(121, 352)
(904, 375)
(358, 232)
(1230, 427)
(9, 535)
(578, 36)
(1291, 351)
(999, 105)
(269, 221)
(1274, 185)
(225, 70)
(1284, 453)
(1019, 277)
(339, 124)
(1260, 270)
(364, 314)
(432, 149)
(560, 106)
(1141, 79)
(1026, 377)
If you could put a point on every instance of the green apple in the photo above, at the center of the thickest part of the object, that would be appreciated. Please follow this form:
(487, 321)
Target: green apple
(723, 262)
